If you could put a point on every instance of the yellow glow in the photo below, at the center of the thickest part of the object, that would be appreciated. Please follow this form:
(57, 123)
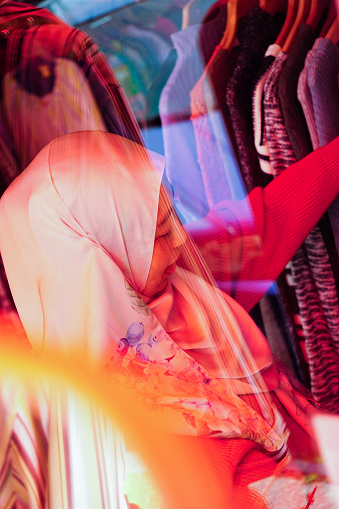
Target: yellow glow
(172, 460)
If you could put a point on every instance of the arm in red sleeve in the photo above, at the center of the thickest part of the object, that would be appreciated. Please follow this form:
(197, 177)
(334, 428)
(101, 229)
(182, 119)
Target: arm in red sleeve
(248, 243)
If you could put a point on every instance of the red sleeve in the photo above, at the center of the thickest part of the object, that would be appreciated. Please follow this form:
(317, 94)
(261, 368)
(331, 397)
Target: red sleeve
(248, 243)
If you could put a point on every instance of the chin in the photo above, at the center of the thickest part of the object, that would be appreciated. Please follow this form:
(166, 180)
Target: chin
(161, 288)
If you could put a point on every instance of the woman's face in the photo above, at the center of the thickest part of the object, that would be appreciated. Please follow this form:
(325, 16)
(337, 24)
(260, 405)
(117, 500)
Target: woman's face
(169, 237)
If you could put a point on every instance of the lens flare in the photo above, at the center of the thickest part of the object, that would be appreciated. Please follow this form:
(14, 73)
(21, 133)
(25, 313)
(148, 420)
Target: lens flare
(178, 465)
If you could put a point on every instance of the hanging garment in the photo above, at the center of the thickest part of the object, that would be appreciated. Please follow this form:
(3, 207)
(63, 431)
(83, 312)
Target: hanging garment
(215, 140)
(317, 298)
(296, 127)
(35, 120)
(182, 168)
(211, 123)
(323, 84)
(305, 97)
(258, 35)
(294, 119)
(322, 77)
(284, 294)
(299, 137)
(261, 29)
(260, 141)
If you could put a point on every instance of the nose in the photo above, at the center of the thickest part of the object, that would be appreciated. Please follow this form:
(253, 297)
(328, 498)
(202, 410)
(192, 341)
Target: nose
(179, 235)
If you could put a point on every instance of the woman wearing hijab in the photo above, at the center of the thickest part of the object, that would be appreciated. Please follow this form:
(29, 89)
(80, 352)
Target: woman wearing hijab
(91, 244)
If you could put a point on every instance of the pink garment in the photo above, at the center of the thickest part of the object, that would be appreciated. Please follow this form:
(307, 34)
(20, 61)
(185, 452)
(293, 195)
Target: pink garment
(77, 232)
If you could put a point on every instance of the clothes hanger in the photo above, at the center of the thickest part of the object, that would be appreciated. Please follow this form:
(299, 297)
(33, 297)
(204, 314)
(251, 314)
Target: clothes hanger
(236, 9)
(331, 17)
(302, 13)
(273, 6)
(186, 15)
(194, 12)
(292, 8)
(333, 32)
(316, 11)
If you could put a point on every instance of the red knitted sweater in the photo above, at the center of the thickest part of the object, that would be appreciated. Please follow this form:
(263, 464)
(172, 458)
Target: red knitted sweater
(248, 243)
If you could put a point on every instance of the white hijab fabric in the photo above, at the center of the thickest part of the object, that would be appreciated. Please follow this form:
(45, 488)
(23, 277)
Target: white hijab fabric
(77, 231)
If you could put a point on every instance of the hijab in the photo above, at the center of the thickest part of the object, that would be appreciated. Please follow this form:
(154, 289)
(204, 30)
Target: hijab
(77, 232)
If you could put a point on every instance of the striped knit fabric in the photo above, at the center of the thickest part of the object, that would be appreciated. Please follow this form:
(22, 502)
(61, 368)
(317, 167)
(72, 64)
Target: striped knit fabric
(259, 34)
(311, 269)
(296, 125)
(285, 291)
(68, 107)
(305, 98)
(322, 80)
(23, 456)
(194, 46)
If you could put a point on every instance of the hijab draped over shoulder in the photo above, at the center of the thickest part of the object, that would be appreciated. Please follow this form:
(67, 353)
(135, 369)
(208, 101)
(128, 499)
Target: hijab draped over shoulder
(77, 231)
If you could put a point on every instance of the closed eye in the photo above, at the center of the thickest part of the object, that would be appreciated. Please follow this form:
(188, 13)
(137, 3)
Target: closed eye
(166, 234)
(169, 232)
(166, 229)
